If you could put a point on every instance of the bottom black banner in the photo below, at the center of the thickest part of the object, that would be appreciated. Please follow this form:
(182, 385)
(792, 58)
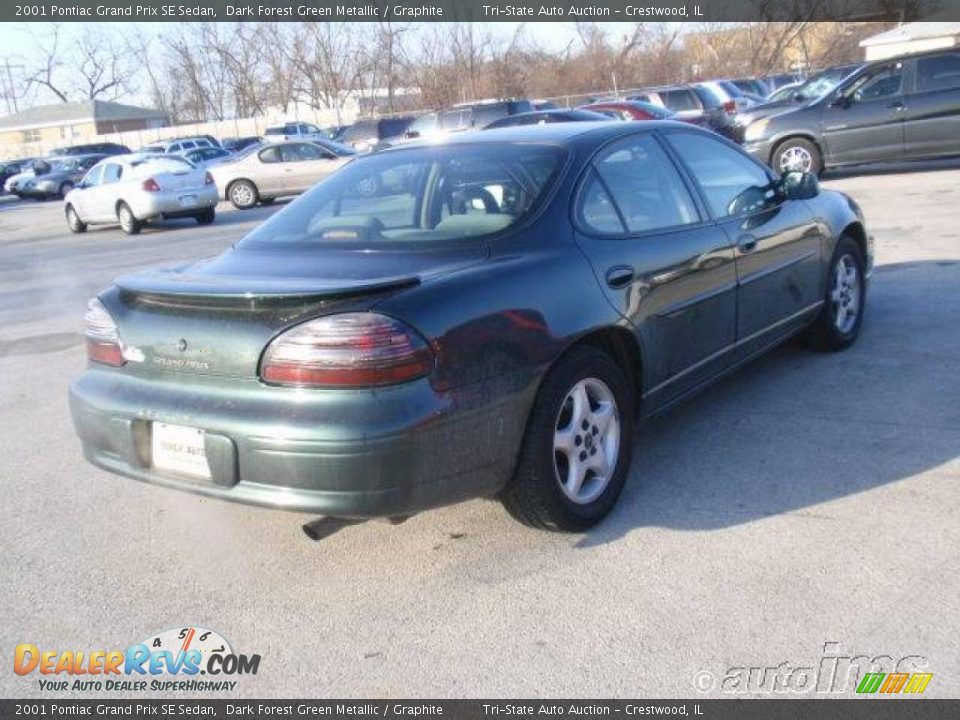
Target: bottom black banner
(739, 709)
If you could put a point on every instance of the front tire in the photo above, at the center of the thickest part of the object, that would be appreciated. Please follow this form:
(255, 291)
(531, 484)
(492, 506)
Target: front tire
(128, 221)
(797, 155)
(577, 446)
(74, 222)
(243, 194)
(838, 323)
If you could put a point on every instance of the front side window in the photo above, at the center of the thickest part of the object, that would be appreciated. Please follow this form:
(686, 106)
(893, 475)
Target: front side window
(270, 155)
(724, 173)
(938, 72)
(635, 179)
(300, 152)
(422, 195)
(93, 177)
(877, 85)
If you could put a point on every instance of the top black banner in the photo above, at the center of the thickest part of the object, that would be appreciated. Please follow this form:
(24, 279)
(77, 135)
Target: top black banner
(482, 10)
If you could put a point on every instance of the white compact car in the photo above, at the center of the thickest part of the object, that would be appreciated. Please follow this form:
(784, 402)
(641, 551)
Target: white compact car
(131, 189)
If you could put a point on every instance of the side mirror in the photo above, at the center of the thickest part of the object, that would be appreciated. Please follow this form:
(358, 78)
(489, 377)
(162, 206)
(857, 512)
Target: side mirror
(798, 186)
(841, 101)
(411, 134)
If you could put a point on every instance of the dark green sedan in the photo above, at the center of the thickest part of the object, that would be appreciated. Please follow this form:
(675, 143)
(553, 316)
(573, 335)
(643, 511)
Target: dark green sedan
(486, 316)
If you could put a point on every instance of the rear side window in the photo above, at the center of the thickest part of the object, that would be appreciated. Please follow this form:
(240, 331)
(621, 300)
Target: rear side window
(485, 114)
(112, 173)
(680, 100)
(940, 72)
(637, 178)
(722, 172)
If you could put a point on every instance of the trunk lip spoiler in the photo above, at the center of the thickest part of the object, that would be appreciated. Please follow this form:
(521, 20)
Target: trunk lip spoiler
(160, 285)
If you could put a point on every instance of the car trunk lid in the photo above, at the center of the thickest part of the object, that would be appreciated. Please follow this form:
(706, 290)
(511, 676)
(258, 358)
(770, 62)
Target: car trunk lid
(215, 317)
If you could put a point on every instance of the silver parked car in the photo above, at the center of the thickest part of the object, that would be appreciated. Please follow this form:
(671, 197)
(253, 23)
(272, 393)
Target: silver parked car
(131, 189)
(262, 174)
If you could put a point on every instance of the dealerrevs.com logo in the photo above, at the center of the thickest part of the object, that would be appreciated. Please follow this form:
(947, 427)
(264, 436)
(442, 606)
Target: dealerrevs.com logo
(191, 659)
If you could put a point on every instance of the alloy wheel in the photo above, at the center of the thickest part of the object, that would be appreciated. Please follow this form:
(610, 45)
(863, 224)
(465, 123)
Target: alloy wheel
(796, 159)
(242, 195)
(586, 440)
(845, 294)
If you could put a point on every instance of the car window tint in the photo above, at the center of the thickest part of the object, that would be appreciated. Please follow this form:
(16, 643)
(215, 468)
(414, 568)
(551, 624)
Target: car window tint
(454, 119)
(112, 173)
(645, 185)
(940, 72)
(880, 84)
(597, 210)
(442, 193)
(300, 152)
(722, 172)
(425, 123)
(680, 100)
(94, 176)
(151, 166)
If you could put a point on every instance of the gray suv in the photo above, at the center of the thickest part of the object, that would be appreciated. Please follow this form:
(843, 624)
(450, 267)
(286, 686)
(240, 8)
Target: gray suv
(901, 108)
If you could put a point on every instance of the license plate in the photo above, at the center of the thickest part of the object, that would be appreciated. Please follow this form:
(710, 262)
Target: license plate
(179, 449)
(188, 200)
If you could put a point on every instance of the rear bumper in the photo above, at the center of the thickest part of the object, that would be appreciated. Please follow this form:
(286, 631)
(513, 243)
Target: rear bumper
(395, 451)
(172, 204)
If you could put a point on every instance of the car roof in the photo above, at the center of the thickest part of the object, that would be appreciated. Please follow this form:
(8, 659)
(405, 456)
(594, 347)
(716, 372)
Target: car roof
(550, 133)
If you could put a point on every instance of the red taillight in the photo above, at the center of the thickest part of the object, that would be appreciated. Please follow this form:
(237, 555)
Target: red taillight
(150, 185)
(730, 107)
(208, 179)
(103, 341)
(347, 350)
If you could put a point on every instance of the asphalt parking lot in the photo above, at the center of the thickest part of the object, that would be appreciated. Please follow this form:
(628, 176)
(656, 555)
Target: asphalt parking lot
(807, 500)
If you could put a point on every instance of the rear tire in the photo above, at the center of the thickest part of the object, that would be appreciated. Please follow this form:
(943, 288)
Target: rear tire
(838, 324)
(797, 154)
(206, 217)
(128, 221)
(586, 387)
(74, 222)
(243, 194)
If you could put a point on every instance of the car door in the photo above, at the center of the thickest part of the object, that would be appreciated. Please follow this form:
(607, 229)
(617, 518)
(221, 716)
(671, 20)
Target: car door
(778, 243)
(662, 264)
(84, 197)
(299, 162)
(864, 120)
(269, 170)
(931, 123)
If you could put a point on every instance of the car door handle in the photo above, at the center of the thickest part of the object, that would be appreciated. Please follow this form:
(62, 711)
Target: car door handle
(619, 276)
(746, 243)
(897, 105)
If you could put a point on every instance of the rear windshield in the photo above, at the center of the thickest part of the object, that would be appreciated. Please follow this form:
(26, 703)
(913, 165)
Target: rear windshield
(150, 166)
(419, 195)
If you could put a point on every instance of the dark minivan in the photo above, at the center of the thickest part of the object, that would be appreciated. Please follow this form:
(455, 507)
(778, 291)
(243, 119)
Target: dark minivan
(901, 108)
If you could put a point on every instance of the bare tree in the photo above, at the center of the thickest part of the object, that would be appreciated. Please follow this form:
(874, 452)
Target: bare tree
(95, 65)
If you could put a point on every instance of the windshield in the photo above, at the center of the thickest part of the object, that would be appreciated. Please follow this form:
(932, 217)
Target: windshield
(418, 195)
(818, 86)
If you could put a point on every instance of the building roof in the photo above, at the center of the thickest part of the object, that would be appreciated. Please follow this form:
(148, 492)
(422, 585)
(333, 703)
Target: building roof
(77, 112)
(913, 31)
